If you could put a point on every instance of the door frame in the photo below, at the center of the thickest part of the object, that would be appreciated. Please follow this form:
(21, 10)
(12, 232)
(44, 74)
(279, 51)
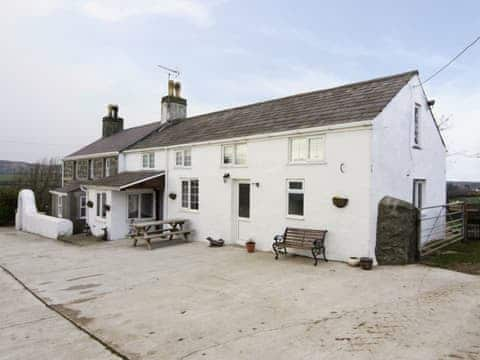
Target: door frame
(236, 220)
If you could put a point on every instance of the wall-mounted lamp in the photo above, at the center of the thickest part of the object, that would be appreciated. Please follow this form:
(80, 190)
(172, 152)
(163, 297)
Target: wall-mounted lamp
(257, 184)
(226, 176)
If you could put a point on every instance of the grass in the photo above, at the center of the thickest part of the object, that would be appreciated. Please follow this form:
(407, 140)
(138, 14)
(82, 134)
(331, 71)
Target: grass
(463, 257)
(467, 199)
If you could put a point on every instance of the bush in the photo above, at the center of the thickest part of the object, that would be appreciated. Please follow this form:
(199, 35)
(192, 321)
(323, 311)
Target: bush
(8, 205)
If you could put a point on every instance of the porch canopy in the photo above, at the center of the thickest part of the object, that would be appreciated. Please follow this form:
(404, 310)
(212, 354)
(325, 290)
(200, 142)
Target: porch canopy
(130, 180)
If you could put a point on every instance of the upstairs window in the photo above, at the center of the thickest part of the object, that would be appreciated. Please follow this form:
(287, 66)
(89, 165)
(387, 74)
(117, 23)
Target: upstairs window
(307, 149)
(234, 154)
(190, 194)
(82, 169)
(417, 126)
(148, 160)
(183, 158)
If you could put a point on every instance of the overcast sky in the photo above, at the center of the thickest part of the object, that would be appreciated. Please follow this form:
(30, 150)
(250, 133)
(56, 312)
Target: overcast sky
(62, 61)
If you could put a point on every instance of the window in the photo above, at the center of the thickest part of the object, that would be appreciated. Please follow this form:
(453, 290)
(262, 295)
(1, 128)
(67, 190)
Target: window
(82, 169)
(305, 149)
(59, 206)
(190, 194)
(82, 214)
(141, 206)
(148, 160)
(416, 126)
(183, 158)
(91, 171)
(244, 200)
(107, 167)
(418, 193)
(234, 154)
(295, 193)
(101, 202)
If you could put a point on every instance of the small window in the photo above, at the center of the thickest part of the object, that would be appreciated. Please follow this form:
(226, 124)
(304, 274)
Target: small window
(133, 206)
(305, 149)
(418, 193)
(148, 160)
(82, 214)
(190, 194)
(295, 193)
(101, 202)
(235, 154)
(146, 205)
(417, 126)
(59, 206)
(183, 158)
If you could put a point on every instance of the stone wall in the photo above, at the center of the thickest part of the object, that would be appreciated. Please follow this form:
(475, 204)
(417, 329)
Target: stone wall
(396, 232)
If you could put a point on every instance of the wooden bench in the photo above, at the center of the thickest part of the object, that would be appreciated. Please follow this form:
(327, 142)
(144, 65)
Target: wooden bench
(305, 239)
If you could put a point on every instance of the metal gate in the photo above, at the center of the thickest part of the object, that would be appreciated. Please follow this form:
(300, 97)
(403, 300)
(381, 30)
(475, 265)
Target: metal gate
(440, 226)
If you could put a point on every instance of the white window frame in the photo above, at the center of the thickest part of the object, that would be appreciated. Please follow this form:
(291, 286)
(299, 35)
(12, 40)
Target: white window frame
(416, 187)
(308, 139)
(234, 157)
(139, 217)
(150, 160)
(417, 126)
(80, 207)
(107, 167)
(91, 167)
(295, 191)
(59, 206)
(100, 204)
(182, 153)
(77, 167)
(189, 194)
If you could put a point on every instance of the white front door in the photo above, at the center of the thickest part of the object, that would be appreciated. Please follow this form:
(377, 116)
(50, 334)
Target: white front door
(242, 211)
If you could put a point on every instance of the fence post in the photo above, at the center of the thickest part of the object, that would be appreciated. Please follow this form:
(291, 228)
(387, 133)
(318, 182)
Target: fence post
(465, 222)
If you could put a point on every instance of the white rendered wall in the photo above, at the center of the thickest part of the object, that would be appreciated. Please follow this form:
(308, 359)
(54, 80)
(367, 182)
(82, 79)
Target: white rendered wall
(28, 219)
(348, 228)
(395, 163)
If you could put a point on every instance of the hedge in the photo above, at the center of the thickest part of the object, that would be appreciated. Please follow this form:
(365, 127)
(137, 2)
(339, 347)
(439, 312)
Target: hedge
(8, 205)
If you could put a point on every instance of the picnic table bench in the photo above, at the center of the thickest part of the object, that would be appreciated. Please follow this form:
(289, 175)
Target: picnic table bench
(305, 239)
(148, 231)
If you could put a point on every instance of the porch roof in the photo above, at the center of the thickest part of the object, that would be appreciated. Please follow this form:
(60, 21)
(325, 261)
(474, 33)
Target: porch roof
(71, 186)
(125, 179)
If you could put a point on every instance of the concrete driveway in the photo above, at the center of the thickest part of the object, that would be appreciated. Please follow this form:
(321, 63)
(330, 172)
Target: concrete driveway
(188, 301)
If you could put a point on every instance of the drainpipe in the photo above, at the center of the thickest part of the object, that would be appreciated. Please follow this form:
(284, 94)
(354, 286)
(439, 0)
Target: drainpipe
(165, 187)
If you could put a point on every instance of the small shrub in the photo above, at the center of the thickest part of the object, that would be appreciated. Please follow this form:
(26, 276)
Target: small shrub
(8, 205)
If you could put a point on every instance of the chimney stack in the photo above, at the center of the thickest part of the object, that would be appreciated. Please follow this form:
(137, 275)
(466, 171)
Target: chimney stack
(173, 105)
(111, 124)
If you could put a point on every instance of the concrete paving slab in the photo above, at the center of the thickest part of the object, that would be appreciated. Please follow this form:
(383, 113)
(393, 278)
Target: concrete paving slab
(188, 301)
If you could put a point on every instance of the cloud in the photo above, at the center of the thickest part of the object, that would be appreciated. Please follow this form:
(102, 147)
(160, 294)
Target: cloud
(117, 10)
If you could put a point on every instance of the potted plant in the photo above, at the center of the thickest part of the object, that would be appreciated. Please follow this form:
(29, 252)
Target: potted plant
(353, 261)
(366, 263)
(339, 202)
(90, 204)
(250, 244)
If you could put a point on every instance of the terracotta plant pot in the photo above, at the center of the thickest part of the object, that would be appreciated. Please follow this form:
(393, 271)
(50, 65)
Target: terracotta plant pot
(250, 246)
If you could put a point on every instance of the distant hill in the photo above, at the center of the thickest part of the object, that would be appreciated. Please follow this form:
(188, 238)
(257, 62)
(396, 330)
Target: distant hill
(463, 188)
(12, 167)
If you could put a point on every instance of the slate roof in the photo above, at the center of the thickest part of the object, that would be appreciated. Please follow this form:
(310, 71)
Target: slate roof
(118, 141)
(125, 178)
(344, 104)
(71, 186)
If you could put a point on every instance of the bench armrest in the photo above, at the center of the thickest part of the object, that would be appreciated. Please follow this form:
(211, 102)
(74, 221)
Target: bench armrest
(278, 239)
(319, 242)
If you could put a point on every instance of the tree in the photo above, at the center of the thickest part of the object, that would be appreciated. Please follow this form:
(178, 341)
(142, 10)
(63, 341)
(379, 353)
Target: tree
(41, 177)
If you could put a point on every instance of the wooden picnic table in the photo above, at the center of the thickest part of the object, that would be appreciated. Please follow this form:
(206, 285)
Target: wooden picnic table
(148, 230)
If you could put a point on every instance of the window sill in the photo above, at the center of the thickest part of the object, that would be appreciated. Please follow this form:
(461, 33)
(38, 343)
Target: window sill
(100, 219)
(319, 162)
(190, 210)
(182, 167)
(227, 166)
(295, 217)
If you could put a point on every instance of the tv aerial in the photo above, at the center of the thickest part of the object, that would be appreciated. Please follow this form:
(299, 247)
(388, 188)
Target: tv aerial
(172, 73)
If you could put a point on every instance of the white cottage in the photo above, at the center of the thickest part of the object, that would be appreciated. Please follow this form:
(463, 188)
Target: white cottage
(249, 172)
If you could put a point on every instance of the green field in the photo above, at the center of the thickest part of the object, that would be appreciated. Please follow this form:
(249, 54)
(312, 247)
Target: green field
(467, 199)
(7, 179)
